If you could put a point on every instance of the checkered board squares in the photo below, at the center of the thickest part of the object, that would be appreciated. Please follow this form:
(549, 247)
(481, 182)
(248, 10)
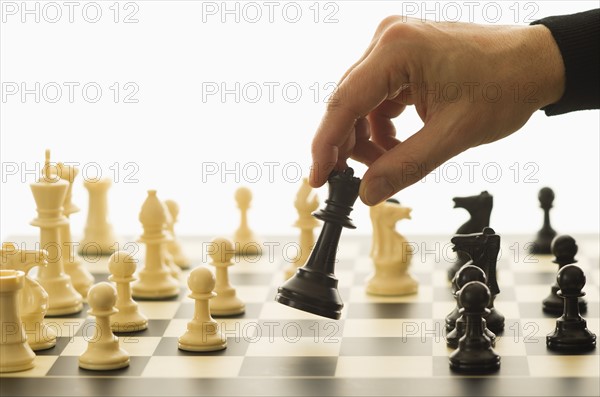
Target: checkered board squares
(381, 345)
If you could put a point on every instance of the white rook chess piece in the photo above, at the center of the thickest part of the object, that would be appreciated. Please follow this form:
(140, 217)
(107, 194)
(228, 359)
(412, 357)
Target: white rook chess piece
(203, 333)
(49, 194)
(128, 319)
(103, 351)
(306, 203)
(174, 247)
(81, 278)
(226, 303)
(98, 235)
(246, 243)
(155, 280)
(175, 270)
(33, 302)
(391, 252)
(15, 353)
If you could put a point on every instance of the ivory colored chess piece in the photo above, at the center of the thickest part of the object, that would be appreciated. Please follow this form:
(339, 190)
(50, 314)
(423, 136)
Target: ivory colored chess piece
(33, 301)
(391, 252)
(173, 268)
(155, 280)
(122, 265)
(306, 203)
(246, 243)
(49, 194)
(226, 303)
(103, 351)
(98, 235)
(81, 278)
(15, 353)
(174, 247)
(203, 332)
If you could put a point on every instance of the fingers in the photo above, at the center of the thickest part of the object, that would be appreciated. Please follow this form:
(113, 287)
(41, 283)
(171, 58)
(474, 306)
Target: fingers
(361, 91)
(406, 163)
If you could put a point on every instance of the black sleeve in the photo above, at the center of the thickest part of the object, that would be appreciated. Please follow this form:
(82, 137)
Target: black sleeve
(578, 38)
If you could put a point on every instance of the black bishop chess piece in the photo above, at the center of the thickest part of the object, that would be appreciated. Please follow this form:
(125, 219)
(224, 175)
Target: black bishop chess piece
(313, 288)
(543, 240)
(480, 210)
(564, 249)
(455, 322)
(475, 354)
(483, 249)
(571, 334)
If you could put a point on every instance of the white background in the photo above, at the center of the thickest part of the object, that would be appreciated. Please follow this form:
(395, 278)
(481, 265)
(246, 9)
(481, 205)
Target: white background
(173, 135)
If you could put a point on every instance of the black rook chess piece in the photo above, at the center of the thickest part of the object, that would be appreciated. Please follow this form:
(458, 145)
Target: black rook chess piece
(480, 210)
(571, 334)
(474, 354)
(564, 248)
(543, 240)
(313, 288)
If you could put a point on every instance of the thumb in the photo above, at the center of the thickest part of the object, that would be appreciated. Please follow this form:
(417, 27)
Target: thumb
(408, 162)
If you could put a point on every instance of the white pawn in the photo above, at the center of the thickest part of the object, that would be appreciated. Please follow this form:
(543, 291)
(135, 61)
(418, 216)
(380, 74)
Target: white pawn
(226, 303)
(33, 301)
(246, 243)
(15, 353)
(174, 246)
(103, 352)
(129, 319)
(203, 333)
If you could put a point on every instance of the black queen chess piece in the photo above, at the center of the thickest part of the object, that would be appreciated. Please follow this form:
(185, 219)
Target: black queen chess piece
(313, 288)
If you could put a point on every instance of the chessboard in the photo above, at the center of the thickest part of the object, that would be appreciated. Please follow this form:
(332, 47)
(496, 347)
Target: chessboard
(380, 346)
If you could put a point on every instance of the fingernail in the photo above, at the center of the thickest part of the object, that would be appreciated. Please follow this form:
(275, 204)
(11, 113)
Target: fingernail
(377, 190)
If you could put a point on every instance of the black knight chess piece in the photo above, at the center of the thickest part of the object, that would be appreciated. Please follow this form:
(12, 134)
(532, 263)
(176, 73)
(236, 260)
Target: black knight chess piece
(483, 248)
(480, 210)
(543, 240)
(313, 288)
(571, 334)
(564, 249)
(474, 354)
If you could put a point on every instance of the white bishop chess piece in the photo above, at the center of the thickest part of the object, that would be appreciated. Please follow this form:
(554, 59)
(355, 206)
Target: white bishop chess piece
(33, 301)
(155, 279)
(122, 265)
(391, 252)
(203, 333)
(81, 278)
(103, 352)
(15, 353)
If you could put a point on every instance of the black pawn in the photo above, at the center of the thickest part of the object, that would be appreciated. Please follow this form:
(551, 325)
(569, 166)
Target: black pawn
(571, 334)
(466, 274)
(474, 354)
(543, 240)
(564, 248)
(313, 288)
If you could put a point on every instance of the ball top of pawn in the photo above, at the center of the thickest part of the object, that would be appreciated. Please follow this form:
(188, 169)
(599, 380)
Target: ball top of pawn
(222, 250)
(201, 281)
(122, 264)
(102, 298)
(571, 280)
(243, 196)
(546, 197)
(564, 248)
(469, 273)
(474, 297)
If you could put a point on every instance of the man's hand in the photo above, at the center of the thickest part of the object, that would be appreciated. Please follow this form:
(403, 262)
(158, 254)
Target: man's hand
(470, 84)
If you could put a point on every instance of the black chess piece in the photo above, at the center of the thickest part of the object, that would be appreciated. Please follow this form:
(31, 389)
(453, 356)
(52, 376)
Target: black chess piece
(313, 288)
(543, 240)
(475, 353)
(456, 329)
(483, 248)
(480, 210)
(571, 334)
(564, 249)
